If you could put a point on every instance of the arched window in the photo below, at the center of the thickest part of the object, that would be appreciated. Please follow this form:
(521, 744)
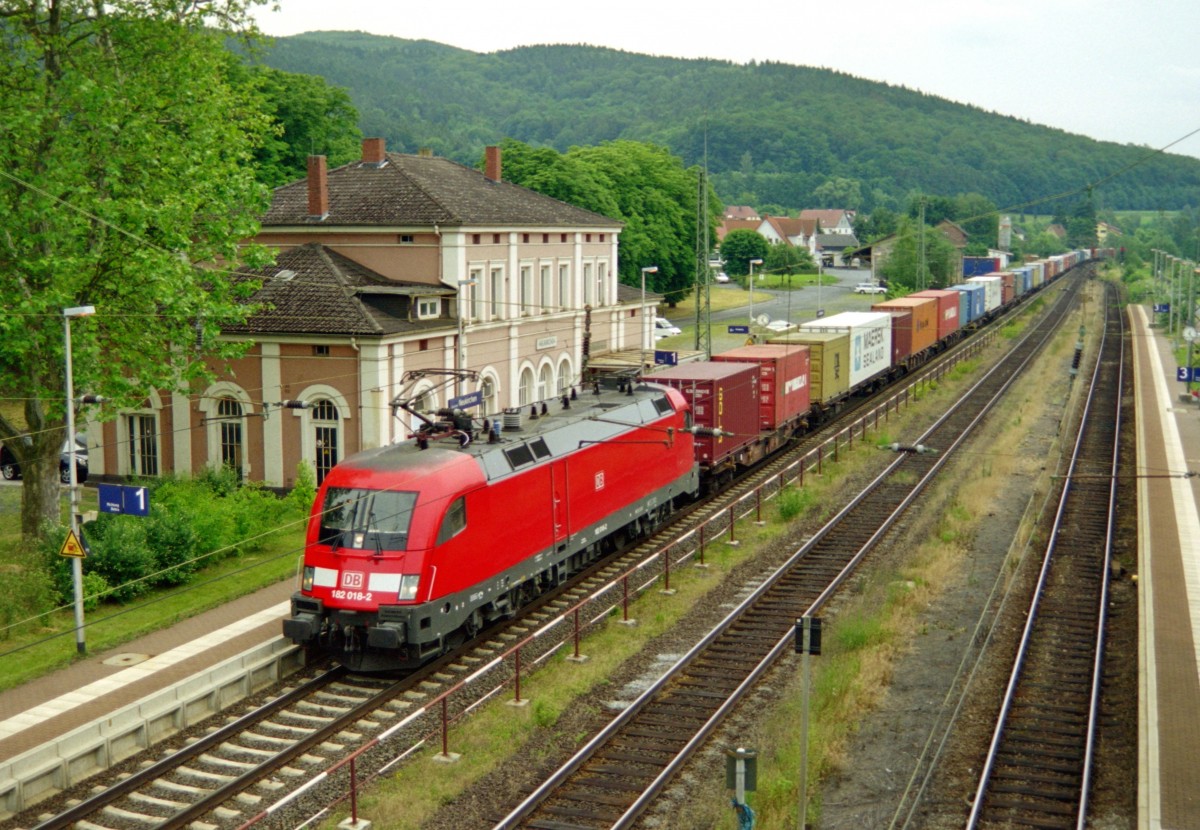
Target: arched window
(564, 376)
(525, 389)
(545, 386)
(229, 414)
(490, 392)
(326, 437)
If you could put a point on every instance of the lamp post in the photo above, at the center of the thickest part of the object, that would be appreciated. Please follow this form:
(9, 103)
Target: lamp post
(753, 262)
(462, 352)
(649, 269)
(76, 561)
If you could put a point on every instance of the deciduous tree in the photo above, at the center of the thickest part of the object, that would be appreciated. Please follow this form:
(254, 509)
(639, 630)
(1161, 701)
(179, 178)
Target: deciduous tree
(127, 185)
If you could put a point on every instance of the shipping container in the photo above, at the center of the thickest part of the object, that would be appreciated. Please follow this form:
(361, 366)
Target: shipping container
(1007, 286)
(783, 385)
(976, 305)
(922, 323)
(976, 266)
(947, 310)
(901, 335)
(1037, 271)
(828, 362)
(993, 291)
(870, 341)
(723, 396)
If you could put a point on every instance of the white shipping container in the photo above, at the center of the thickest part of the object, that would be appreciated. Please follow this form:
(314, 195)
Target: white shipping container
(870, 340)
(993, 291)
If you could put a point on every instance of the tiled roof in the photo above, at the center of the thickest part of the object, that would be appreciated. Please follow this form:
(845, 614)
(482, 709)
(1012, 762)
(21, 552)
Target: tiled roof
(837, 240)
(829, 218)
(330, 294)
(423, 190)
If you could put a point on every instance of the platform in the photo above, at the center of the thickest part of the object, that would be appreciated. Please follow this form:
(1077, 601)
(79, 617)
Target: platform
(1169, 587)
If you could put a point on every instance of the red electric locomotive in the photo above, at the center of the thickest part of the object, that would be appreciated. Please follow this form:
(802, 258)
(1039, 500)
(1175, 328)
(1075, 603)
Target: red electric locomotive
(414, 547)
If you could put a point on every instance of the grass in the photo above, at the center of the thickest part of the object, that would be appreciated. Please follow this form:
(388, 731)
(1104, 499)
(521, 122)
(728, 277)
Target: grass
(31, 649)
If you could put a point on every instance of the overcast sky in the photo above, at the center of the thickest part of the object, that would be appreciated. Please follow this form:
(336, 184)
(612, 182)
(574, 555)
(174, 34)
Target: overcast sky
(1115, 70)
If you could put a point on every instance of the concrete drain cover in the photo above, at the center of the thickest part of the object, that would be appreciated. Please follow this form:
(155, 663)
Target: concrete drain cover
(127, 659)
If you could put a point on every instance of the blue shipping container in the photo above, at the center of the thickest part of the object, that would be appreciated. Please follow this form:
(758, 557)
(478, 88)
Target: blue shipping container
(977, 266)
(976, 298)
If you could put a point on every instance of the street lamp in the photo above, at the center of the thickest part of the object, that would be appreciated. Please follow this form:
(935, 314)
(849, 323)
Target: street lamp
(649, 269)
(753, 262)
(462, 356)
(76, 561)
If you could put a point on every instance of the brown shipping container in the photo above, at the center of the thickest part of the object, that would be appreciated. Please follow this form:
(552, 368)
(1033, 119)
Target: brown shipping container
(923, 323)
(723, 396)
(947, 313)
(828, 362)
(782, 380)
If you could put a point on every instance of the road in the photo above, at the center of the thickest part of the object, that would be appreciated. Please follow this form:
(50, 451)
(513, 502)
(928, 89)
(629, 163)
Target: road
(797, 305)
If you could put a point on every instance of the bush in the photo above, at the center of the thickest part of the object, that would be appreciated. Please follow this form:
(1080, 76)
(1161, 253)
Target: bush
(121, 554)
(792, 502)
(172, 538)
(30, 592)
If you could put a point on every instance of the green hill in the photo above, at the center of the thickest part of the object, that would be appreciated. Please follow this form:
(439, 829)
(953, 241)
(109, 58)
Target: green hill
(775, 132)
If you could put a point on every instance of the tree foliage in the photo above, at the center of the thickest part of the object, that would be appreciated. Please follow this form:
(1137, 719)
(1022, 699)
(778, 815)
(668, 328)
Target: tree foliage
(127, 185)
(643, 186)
(788, 259)
(772, 134)
(310, 117)
(904, 268)
(739, 247)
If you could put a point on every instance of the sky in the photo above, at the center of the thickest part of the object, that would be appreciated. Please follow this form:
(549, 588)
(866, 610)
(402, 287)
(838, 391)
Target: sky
(1114, 70)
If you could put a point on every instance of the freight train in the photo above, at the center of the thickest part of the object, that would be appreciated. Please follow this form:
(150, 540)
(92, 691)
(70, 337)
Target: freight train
(414, 547)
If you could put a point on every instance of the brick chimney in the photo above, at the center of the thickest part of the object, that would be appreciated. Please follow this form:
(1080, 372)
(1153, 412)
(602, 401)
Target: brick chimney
(492, 164)
(318, 188)
(373, 151)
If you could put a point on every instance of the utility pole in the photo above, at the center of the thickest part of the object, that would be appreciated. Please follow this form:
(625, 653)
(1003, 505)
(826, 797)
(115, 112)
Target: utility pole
(703, 341)
(921, 246)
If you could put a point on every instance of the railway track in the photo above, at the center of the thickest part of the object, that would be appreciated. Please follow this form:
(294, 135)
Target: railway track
(232, 773)
(1038, 766)
(617, 774)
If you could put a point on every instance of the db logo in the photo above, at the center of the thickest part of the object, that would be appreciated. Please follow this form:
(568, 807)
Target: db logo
(600, 480)
(352, 579)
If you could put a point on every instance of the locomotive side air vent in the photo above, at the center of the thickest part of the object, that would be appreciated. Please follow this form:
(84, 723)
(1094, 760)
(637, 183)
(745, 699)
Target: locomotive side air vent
(512, 418)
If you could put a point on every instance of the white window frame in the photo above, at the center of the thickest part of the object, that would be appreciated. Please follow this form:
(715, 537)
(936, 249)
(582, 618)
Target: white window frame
(429, 308)
(546, 297)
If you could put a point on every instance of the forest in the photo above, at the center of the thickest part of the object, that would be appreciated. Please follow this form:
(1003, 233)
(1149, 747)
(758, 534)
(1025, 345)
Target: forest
(773, 135)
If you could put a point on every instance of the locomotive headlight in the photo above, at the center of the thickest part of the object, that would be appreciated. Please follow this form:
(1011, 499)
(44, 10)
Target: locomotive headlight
(306, 579)
(408, 587)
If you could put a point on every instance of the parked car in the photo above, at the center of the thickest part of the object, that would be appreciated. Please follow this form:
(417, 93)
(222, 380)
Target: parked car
(11, 470)
(869, 288)
(721, 277)
(665, 328)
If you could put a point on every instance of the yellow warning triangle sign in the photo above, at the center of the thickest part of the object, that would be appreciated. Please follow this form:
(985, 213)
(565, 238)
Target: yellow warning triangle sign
(71, 546)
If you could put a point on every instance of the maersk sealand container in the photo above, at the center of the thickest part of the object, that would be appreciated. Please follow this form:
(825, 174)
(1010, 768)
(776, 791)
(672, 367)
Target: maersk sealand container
(870, 341)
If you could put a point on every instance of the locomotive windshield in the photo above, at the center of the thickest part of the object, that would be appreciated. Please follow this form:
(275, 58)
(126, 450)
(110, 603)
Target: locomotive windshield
(366, 519)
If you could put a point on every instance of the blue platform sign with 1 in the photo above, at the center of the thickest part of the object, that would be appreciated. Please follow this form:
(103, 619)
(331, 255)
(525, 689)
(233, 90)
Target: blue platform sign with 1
(121, 498)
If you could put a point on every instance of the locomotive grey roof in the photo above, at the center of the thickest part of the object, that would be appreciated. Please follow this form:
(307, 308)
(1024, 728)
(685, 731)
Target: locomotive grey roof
(591, 419)
(416, 190)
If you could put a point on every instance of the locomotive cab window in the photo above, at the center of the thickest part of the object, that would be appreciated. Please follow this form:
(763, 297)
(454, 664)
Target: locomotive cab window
(454, 521)
(662, 405)
(366, 519)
